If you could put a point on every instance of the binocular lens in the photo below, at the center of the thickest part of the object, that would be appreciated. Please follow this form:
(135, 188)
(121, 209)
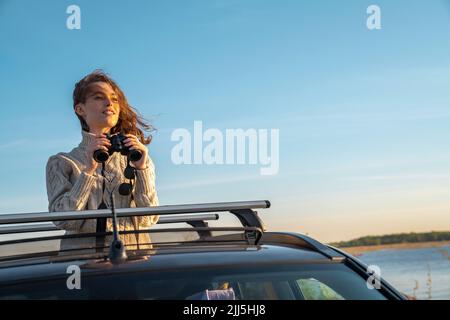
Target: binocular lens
(101, 156)
(135, 155)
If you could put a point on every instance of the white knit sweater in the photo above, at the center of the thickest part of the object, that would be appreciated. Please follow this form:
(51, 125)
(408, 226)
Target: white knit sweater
(69, 189)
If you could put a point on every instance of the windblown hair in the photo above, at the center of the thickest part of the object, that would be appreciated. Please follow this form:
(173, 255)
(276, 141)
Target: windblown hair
(130, 121)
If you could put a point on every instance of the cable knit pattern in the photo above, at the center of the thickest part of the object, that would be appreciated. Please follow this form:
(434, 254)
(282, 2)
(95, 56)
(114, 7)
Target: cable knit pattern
(69, 188)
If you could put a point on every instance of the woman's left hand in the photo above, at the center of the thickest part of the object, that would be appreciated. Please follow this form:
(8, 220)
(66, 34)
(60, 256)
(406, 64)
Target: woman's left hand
(134, 144)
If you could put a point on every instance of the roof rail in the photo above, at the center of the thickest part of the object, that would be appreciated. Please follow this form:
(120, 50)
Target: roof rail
(296, 239)
(46, 227)
(251, 235)
(242, 210)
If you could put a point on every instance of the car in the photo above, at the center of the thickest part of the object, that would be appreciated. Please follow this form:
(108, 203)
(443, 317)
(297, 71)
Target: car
(194, 262)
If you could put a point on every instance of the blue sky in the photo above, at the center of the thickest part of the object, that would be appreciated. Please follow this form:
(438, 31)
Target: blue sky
(363, 115)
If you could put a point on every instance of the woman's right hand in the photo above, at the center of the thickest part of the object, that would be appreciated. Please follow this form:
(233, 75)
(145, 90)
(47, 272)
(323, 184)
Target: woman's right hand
(100, 142)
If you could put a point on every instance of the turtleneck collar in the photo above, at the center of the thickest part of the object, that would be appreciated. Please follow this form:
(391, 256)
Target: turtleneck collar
(87, 137)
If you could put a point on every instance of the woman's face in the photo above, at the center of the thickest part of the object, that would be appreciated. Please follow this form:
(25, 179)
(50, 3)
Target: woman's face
(101, 109)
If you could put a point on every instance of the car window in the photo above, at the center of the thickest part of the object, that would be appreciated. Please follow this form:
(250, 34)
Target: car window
(276, 282)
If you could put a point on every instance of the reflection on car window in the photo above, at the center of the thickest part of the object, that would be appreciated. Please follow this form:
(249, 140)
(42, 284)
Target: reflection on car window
(313, 289)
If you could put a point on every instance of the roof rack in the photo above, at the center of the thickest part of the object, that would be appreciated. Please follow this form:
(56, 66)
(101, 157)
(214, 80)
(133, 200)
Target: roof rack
(193, 214)
(242, 210)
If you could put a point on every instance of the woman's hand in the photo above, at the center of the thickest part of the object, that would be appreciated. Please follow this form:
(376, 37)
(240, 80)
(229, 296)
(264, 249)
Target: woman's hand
(99, 142)
(134, 144)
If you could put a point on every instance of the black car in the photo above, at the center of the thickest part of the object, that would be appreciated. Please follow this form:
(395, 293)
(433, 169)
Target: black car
(197, 262)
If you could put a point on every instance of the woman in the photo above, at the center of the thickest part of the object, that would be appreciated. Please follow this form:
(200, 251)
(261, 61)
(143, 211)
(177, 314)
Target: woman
(75, 180)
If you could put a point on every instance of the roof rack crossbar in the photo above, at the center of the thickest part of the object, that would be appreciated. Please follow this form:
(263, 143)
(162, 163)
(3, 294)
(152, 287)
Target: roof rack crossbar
(6, 229)
(29, 228)
(187, 218)
(130, 212)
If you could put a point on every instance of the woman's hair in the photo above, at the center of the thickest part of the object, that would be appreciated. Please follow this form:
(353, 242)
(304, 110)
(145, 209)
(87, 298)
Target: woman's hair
(130, 122)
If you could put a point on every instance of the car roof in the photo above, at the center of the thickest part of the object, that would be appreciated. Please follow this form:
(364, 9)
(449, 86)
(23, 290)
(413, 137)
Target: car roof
(165, 259)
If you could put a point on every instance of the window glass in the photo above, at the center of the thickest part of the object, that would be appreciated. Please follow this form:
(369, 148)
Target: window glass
(278, 282)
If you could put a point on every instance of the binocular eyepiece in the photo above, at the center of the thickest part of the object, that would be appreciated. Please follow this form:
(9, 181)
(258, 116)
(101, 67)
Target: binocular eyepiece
(117, 145)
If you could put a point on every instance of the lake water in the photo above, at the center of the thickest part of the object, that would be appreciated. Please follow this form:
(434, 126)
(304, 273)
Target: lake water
(423, 272)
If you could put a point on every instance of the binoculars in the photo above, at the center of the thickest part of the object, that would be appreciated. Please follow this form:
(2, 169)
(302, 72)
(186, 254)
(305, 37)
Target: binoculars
(117, 145)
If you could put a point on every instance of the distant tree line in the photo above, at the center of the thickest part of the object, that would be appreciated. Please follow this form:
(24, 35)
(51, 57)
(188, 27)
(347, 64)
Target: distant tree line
(395, 238)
